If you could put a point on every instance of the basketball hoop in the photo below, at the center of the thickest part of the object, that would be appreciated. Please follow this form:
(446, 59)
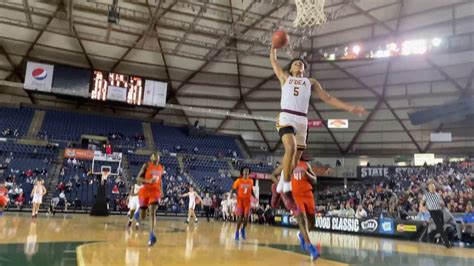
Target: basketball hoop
(309, 13)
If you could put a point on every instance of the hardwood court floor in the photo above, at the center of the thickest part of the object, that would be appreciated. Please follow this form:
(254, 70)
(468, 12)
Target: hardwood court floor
(84, 240)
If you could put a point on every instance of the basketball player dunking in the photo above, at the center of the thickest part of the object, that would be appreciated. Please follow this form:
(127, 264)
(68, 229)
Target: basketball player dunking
(302, 183)
(292, 123)
(244, 187)
(192, 195)
(37, 194)
(3, 197)
(152, 191)
(134, 205)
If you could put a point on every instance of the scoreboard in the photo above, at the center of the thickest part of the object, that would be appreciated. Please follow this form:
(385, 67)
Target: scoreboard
(116, 87)
(96, 84)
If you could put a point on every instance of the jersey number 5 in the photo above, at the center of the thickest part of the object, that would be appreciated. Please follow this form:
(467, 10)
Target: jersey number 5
(296, 91)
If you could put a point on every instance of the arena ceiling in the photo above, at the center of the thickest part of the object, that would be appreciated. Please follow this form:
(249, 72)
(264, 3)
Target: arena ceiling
(215, 55)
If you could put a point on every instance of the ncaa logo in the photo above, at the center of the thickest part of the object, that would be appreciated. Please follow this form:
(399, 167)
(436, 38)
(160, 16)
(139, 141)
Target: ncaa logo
(39, 74)
(369, 225)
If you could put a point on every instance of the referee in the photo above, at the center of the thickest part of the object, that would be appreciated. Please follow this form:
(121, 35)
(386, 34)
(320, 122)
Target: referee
(433, 204)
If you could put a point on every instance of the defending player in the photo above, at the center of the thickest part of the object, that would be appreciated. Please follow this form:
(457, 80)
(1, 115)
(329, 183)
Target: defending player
(152, 191)
(244, 187)
(192, 204)
(37, 194)
(292, 123)
(3, 197)
(302, 183)
(134, 205)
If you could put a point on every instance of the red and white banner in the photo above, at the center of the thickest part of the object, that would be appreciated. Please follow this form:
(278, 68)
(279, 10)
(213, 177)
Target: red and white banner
(314, 123)
(39, 77)
(256, 175)
(79, 154)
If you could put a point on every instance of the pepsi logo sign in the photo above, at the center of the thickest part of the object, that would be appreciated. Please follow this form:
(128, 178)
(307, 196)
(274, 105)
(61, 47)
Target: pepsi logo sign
(39, 73)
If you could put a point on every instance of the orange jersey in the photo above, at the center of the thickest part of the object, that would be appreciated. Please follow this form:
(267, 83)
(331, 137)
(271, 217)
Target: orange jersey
(3, 192)
(300, 180)
(151, 172)
(243, 187)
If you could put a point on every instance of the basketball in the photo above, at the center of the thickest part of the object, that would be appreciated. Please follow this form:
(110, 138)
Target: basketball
(280, 39)
(3, 201)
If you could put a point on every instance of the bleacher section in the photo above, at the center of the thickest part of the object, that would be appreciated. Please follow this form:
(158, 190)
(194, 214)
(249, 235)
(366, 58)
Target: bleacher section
(255, 167)
(211, 181)
(15, 118)
(200, 164)
(136, 161)
(84, 186)
(205, 158)
(26, 163)
(176, 139)
(69, 126)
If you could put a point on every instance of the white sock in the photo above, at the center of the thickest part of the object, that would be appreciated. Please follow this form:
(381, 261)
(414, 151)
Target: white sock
(286, 187)
(280, 183)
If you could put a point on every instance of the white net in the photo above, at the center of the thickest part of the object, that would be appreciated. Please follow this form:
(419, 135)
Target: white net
(309, 13)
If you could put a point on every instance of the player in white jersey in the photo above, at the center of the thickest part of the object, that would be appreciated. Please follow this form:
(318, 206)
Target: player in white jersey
(192, 203)
(292, 123)
(232, 206)
(225, 208)
(37, 194)
(134, 205)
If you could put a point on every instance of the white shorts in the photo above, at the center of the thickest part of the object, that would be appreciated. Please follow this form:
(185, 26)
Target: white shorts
(299, 123)
(37, 198)
(192, 205)
(133, 203)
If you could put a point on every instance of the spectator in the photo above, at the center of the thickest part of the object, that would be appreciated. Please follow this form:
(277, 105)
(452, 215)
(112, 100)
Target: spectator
(349, 211)
(77, 204)
(19, 201)
(423, 214)
(342, 211)
(52, 207)
(468, 224)
(115, 190)
(361, 213)
(62, 197)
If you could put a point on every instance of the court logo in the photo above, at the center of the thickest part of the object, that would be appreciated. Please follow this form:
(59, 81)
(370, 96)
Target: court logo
(369, 225)
(386, 226)
(39, 73)
(406, 228)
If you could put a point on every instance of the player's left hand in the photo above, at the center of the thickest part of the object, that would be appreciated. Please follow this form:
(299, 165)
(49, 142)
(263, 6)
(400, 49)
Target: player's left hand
(358, 110)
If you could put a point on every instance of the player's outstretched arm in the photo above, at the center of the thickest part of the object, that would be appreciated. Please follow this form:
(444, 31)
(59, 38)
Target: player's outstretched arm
(333, 101)
(279, 72)
(184, 195)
